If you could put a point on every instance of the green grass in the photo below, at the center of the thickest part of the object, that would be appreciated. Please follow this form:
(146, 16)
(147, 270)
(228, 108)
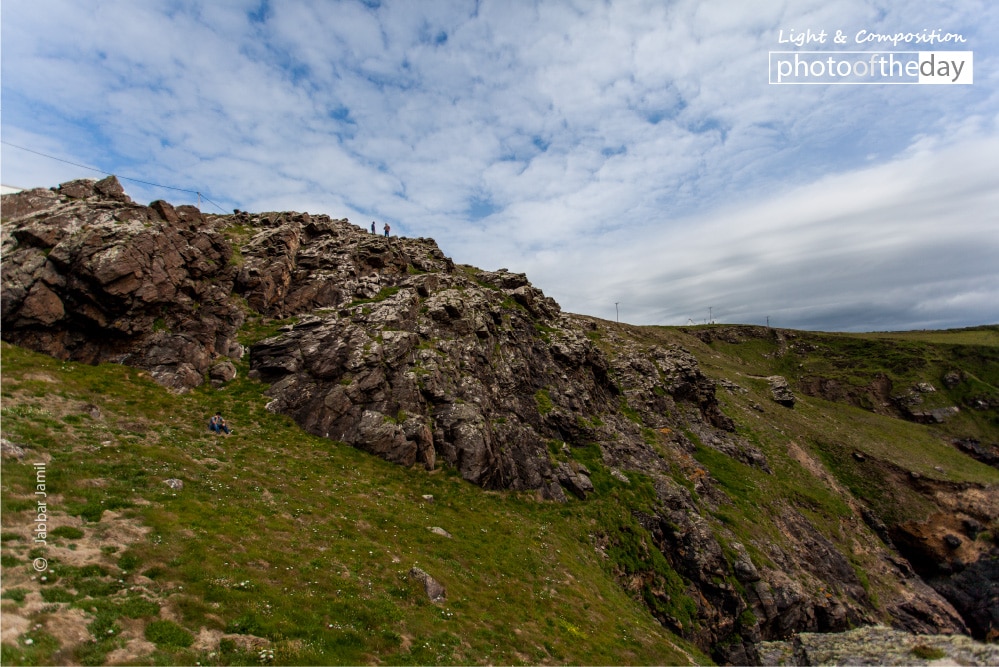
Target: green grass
(811, 448)
(167, 634)
(382, 295)
(928, 652)
(306, 542)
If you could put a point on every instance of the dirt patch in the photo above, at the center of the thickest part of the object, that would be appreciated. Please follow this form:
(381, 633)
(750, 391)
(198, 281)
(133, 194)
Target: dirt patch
(810, 464)
(136, 645)
(14, 625)
(68, 625)
(40, 377)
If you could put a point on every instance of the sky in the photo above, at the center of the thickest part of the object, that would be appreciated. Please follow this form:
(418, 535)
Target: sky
(631, 157)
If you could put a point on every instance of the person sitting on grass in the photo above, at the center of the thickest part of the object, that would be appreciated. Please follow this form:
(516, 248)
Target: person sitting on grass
(217, 425)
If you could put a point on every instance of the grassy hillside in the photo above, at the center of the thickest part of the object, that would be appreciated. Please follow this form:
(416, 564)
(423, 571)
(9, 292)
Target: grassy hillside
(287, 537)
(286, 548)
(832, 459)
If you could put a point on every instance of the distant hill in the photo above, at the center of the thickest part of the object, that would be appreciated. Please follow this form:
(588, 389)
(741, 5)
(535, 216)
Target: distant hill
(546, 487)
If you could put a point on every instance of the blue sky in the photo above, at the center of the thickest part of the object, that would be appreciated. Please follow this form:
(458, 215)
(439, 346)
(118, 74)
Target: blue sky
(628, 153)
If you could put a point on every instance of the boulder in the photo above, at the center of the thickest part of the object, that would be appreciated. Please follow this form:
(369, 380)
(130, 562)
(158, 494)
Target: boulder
(222, 372)
(780, 391)
(434, 589)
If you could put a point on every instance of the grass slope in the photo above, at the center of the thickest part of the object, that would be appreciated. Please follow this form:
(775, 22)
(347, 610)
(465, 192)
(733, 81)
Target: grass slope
(276, 534)
(286, 548)
(831, 459)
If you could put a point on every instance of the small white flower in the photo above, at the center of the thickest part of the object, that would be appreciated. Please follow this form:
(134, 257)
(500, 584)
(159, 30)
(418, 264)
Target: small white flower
(29, 641)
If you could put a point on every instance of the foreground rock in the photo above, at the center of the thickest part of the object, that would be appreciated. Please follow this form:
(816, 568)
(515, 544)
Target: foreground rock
(879, 645)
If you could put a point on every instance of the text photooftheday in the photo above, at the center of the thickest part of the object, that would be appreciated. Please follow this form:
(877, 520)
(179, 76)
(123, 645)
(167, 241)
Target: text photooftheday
(867, 67)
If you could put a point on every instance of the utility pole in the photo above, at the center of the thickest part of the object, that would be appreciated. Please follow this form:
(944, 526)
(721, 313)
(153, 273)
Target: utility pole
(617, 313)
(711, 319)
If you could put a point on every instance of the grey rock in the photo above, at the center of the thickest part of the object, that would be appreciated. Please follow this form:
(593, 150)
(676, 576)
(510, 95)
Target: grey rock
(935, 416)
(780, 391)
(437, 530)
(222, 372)
(619, 476)
(574, 478)
(434, 589)
(878, 645)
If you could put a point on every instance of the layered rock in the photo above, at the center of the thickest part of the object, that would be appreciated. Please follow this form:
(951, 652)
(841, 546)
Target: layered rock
(90, 276)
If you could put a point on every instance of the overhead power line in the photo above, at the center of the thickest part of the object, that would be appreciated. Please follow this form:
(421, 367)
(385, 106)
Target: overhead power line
(108, 173)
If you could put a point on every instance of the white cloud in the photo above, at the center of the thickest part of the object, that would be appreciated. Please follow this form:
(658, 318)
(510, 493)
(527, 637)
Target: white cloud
(614, 137)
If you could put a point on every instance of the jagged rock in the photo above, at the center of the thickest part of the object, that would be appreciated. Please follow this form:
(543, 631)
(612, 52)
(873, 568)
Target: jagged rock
(434, 589)
(935, 416)
(780, 391)
(574, 477)
(733, 387)
(90, 276)
(743, 567)
(953, 378)
(619, 476)
(174, 483)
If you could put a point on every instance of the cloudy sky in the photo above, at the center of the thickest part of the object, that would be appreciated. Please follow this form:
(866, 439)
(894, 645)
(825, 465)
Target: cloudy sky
(630, 156)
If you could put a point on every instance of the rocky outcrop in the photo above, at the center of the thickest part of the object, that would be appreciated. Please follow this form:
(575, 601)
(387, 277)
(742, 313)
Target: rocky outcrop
(388, 345)
(954, 554)
(90, 276)
(780, 391)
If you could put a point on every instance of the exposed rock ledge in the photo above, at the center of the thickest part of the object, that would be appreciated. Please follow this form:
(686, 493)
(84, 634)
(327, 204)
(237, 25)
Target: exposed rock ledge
(878, 645)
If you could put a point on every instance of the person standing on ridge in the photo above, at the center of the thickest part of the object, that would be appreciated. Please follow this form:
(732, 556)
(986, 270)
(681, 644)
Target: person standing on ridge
(373, 227)
(387, 228)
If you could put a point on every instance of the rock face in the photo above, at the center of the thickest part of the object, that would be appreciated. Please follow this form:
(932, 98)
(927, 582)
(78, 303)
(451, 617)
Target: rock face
(90, 276)
(388, 345)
